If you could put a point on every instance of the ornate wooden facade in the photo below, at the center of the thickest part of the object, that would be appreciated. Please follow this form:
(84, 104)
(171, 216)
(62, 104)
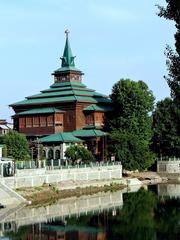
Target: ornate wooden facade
(68, 105)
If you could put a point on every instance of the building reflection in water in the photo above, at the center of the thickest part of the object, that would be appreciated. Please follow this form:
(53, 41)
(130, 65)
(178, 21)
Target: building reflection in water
(83, 218)
(152, 214)
(66, 236)
(58, 231)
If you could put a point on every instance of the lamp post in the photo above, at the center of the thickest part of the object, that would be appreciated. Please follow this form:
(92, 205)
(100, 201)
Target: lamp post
(38, 155)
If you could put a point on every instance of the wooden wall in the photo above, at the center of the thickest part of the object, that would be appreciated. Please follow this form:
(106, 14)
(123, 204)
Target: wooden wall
(71, 119)
(41, 124)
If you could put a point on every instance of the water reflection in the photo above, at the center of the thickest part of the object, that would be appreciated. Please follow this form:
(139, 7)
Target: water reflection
(141, 215)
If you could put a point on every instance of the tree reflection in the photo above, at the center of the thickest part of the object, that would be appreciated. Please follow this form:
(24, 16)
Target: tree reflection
(136, 220)
(168, 218)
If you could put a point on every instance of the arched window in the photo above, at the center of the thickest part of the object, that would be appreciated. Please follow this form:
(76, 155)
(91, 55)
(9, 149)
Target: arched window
(57, 154)
(50, 154)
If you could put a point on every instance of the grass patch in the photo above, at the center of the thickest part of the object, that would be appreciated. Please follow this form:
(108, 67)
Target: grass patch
(46, 195)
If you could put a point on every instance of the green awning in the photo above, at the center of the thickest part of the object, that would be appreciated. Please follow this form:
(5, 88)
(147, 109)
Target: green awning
(89, 133)
(59, 137)
(40, 111)
(98, 108)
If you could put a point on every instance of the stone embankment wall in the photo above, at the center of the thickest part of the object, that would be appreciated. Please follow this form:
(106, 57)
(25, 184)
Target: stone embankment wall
(9, 197)
(170, 166)
(38, 177)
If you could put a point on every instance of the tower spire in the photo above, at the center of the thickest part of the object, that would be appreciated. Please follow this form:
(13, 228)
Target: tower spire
(67, 72)
(66, 32)
(67, 58)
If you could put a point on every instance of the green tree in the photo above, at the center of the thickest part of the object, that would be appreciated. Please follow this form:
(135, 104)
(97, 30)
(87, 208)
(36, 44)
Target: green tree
(4, 151)
(17, 146)
(2, 139)
(77, 152)
(41, 152)
(166, 140)
(130, 124)
(172, 12)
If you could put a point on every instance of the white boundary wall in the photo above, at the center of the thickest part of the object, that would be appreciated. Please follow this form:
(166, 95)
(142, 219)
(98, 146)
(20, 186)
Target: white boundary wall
(37, 177)
(168, 166)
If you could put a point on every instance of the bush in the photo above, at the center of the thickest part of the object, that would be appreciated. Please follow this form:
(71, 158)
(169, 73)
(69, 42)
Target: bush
(78, 152)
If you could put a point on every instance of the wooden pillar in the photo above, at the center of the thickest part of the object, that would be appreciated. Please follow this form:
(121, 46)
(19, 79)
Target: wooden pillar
(54, 151)
(103, 148)
(97, 146)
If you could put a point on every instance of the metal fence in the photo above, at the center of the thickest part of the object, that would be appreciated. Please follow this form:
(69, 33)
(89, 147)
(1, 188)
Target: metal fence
(166, 158)
(59, 164)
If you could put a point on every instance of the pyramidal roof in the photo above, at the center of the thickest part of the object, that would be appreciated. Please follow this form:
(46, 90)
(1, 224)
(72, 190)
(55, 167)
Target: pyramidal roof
(60, 137)
(67, 91)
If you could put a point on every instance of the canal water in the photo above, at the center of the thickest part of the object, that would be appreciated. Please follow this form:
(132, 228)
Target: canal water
(144, 214)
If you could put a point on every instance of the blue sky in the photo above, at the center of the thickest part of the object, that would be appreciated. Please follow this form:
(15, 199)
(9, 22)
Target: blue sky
(111, 40)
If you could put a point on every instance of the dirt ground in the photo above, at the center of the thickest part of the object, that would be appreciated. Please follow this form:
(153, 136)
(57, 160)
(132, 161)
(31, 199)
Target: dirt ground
(143, 175)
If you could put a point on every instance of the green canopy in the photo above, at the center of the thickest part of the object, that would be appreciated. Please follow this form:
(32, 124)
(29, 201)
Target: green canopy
(60, 137)
(89, 133)
(97, 108)
(40, 111)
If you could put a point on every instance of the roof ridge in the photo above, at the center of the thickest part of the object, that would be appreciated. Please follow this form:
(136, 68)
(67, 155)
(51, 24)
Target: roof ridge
(94, 132)
(61, 133)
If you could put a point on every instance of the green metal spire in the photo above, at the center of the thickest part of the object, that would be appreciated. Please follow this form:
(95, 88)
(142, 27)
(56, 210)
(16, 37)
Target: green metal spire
(68, 58)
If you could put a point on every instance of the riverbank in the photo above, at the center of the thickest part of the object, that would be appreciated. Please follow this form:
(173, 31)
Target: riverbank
(50, 193)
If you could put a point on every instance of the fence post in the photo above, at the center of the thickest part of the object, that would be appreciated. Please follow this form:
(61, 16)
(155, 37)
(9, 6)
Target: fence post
(44, 163)
(52, 164)
(2, 173)
(39, 164)
(110, 176)
(59, 163)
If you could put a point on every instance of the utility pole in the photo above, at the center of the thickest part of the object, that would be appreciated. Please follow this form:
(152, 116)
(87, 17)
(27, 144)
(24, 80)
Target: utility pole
(38, 151)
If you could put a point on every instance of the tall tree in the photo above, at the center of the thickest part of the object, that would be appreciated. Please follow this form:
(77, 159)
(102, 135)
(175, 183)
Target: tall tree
(167, 115)
(130, 124)
(166, 140)
(172, 12)
(17, 146)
